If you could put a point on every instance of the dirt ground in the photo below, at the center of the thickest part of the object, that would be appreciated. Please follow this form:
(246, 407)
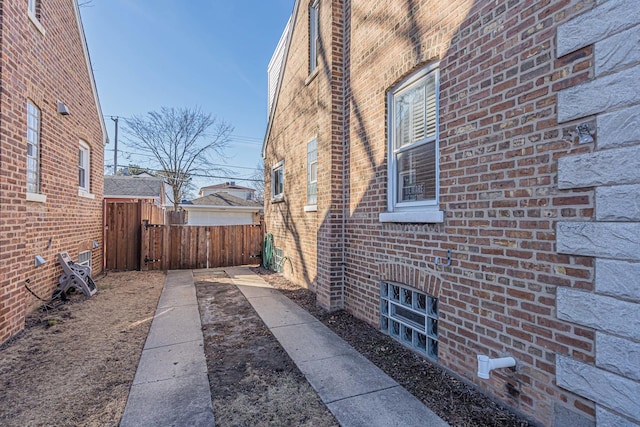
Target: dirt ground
(454, 401)
(73, 366)
(253, 380)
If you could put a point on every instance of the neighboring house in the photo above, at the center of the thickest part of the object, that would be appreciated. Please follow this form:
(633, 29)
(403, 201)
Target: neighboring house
(239, 191)
(222, 209)
(464, 175)
(51, 153)
(149, 189)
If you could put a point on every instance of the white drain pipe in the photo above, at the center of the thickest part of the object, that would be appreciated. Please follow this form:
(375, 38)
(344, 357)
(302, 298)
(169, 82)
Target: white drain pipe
(486, 364)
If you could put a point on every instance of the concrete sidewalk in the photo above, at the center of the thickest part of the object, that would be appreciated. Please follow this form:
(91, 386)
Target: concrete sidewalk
(356, 391)
(171, 386)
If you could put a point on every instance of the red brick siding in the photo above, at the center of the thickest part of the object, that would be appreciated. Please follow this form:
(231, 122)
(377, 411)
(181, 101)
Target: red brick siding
(499, 145)
(44, 68)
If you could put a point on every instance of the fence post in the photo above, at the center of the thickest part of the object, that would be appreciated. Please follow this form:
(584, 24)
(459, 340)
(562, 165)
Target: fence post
(144, 245)
(166, 244)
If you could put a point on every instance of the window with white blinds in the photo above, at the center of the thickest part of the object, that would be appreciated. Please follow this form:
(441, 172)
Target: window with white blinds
(413, 142)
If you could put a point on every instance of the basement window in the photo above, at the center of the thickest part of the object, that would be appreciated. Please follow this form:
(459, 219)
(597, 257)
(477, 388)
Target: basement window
(84, 258)
(410, 317)
(278, 259)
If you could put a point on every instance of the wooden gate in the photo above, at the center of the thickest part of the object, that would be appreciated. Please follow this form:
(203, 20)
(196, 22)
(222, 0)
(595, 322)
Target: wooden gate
(175, 247)
(122, 232)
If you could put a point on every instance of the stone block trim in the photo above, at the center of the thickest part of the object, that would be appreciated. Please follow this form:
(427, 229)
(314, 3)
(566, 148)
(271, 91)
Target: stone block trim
(619, 127)
(596, 96)
(567, 417)
(605, 418)
(603, 313)
(618, 355)
(607, 18)
(599, 239)
(615, 203)
(615, 392)
(612, 30)
(618, 278)
(607, 167)
(618, 51)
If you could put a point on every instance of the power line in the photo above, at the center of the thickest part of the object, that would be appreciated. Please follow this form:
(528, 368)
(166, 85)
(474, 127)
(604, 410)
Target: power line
(239, 138)
(197, 175)
(212, 164)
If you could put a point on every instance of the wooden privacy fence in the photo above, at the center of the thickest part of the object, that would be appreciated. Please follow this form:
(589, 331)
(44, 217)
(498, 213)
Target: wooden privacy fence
(122, 232)
(175, 247)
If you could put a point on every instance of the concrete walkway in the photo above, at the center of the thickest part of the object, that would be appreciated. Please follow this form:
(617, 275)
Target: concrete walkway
(356, 391)
(171, 386)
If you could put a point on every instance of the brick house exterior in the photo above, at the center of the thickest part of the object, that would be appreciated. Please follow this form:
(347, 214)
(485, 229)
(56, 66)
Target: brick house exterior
(52, 136)
(508, 200)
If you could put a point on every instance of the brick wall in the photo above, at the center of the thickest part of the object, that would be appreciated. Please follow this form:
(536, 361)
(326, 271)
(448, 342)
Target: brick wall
(44, 62)
(501, 141)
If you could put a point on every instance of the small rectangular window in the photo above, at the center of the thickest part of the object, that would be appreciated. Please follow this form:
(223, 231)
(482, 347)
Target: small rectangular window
(312, 172)
(313, 35)
(277, 181)
(33, 148)
(84, 258)
(83, 167)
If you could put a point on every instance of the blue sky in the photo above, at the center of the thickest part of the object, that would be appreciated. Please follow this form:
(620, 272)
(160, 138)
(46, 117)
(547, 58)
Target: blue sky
(147, 54)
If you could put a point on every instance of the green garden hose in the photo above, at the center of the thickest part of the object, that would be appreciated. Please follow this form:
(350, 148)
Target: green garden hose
(268, 250)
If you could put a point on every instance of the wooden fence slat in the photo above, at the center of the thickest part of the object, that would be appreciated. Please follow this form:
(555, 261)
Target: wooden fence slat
(172, 247)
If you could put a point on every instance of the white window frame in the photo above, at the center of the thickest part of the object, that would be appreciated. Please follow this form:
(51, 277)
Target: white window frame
(32, 12)
(277, 170)
(424, 211)
(32, 8)
(34, 117)
(84, 168)
(312, 176)
(314, 34)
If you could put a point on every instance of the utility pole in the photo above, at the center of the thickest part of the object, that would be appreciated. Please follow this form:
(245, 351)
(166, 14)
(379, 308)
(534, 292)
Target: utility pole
(115, 151)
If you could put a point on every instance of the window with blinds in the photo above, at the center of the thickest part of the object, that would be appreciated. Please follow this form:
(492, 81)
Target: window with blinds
(414, 142)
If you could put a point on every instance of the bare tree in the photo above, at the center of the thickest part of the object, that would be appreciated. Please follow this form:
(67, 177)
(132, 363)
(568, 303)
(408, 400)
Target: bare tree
(180, 143)
(258, 183)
